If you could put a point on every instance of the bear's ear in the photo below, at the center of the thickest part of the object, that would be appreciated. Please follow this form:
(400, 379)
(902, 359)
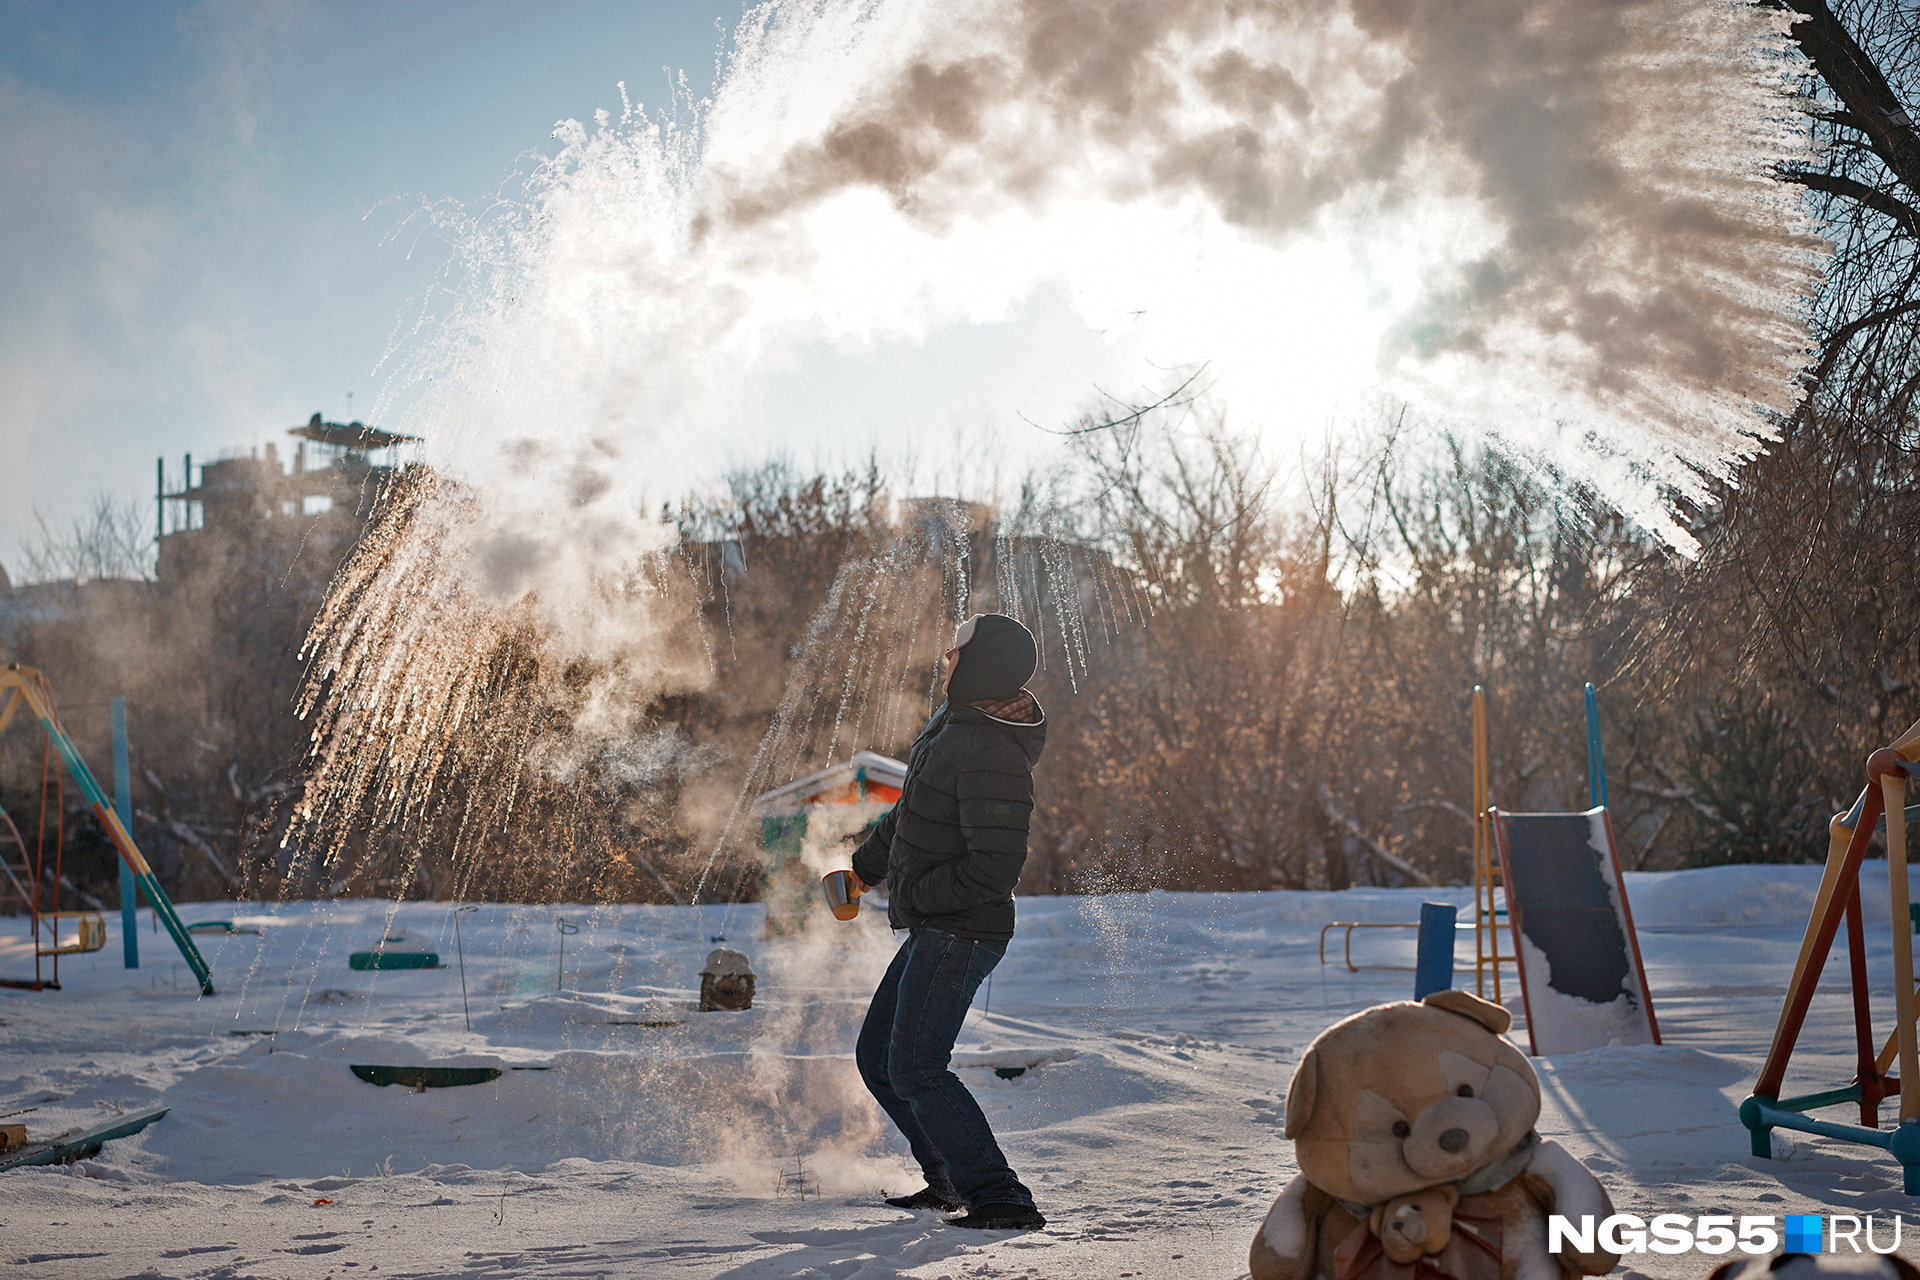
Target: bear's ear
(1306, 1082)
(1485, 1012)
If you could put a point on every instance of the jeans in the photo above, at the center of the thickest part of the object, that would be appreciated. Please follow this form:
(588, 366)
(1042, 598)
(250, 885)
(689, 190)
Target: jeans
(902, 1054)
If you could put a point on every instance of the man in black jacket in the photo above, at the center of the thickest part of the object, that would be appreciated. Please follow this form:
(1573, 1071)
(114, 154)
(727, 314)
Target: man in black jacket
(950, 851)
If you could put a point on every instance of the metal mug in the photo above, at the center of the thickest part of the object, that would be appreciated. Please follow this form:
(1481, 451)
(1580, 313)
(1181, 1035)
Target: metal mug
(843, 893)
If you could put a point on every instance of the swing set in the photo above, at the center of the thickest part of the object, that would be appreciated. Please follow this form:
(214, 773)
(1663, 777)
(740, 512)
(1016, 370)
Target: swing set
(32, 877)
(1848, 836)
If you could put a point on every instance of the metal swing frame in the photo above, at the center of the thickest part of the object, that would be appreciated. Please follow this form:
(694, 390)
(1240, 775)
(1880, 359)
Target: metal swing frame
(22, 686)
(1848, 837)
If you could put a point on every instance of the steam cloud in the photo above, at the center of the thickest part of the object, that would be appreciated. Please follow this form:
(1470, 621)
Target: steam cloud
(1547, 220)
(1605, 273)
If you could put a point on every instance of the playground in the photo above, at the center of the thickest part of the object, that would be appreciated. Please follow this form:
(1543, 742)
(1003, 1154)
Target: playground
(1157, 1033)
(437, 1089)
(1152, 1039)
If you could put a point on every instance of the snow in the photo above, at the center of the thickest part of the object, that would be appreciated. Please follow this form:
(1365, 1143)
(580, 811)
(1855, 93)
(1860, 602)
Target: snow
(1158, 1033)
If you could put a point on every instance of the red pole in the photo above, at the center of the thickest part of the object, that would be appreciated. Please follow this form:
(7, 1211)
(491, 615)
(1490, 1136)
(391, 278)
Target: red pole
(1626, 910)
(1497, 820)
(1868, 1074)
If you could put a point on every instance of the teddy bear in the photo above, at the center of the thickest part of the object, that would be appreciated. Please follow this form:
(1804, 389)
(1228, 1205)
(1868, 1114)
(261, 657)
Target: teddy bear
(1413, 1127)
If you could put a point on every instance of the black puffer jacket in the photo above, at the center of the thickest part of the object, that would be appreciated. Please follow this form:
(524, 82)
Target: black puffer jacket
(952, 847)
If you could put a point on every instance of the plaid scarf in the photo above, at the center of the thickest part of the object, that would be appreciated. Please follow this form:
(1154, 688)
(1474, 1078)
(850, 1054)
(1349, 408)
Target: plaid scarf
(1019, 709)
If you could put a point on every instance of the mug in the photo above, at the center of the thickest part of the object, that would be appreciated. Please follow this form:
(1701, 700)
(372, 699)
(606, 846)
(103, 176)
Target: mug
(843, 893)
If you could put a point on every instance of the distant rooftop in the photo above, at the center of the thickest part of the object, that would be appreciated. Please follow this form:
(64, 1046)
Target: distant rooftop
(348, 435)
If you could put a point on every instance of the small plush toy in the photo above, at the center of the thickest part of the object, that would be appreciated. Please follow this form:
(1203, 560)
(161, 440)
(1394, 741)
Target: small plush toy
(1413, 1126)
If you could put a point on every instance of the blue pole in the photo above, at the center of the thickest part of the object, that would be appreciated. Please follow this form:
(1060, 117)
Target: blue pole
(1596, 764)
(123, 805)
(1433, 964)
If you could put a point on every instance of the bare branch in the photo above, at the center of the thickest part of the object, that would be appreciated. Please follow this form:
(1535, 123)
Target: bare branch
(1336, 816)
(1177, 396)
(1853, 189)
(1445, 806)
(1858, 81)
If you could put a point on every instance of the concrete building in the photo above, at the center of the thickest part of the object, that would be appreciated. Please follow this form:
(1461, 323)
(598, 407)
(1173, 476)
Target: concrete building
(324, 498)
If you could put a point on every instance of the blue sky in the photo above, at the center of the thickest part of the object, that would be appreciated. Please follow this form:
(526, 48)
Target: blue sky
(198, 195)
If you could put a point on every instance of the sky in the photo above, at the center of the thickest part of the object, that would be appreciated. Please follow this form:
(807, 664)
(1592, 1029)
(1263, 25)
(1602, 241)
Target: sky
(202, 231)
(932, 231)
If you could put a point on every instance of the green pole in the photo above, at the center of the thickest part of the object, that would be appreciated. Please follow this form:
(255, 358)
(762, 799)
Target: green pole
(123, 805)
(148, 882)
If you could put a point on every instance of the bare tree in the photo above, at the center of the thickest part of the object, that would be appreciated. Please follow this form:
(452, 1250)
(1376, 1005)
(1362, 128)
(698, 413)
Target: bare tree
(112, 540)
(1865, 65)
(1804, 590)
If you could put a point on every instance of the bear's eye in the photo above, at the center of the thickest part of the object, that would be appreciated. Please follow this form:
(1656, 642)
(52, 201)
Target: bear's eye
(1465, 1091)
(1401, 1128)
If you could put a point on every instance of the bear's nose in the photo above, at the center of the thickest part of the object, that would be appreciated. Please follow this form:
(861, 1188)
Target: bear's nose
(1453, 1141)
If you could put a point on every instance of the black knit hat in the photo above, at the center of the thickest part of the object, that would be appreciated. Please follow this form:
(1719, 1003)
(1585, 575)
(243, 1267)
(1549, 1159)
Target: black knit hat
(997, 656)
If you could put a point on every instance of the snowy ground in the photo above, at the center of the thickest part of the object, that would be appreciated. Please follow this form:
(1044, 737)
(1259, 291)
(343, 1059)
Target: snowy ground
(1160, 1031)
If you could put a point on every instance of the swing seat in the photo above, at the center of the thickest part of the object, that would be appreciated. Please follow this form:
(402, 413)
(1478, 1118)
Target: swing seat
(90, 935)
(393, 960)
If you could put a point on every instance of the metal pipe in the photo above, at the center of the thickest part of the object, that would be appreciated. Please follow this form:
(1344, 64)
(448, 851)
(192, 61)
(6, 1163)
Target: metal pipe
(123, 806)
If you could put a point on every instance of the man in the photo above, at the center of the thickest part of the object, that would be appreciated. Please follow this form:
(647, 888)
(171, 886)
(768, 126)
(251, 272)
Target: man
(951, 851)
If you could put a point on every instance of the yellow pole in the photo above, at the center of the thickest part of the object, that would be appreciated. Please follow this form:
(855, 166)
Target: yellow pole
(1486, 931)
(1838, 836)
(1891, 1047)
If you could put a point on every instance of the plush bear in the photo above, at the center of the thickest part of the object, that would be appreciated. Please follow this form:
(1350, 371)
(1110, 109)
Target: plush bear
(1413, 1127)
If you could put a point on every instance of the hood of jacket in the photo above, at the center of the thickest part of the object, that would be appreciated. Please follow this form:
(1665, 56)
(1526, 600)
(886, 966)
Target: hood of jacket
(1031, 737)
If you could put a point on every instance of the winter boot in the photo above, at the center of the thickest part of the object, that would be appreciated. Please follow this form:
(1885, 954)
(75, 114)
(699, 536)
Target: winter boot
(1001, 1217)
(928, 1198)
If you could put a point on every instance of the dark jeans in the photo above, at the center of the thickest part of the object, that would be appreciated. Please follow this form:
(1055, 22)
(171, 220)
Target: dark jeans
(903, 1051)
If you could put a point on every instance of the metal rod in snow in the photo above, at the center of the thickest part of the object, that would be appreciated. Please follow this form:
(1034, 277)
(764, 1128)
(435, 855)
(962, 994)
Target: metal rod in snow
(461, 951)
(564, 929)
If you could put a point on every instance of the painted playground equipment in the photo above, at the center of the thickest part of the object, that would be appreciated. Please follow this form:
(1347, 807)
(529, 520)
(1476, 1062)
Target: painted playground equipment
(1552, 882)
(27, 880)
(848, 797)
(69, 1147)
(1582, 982)
(1488, 912)
(1848, 836)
